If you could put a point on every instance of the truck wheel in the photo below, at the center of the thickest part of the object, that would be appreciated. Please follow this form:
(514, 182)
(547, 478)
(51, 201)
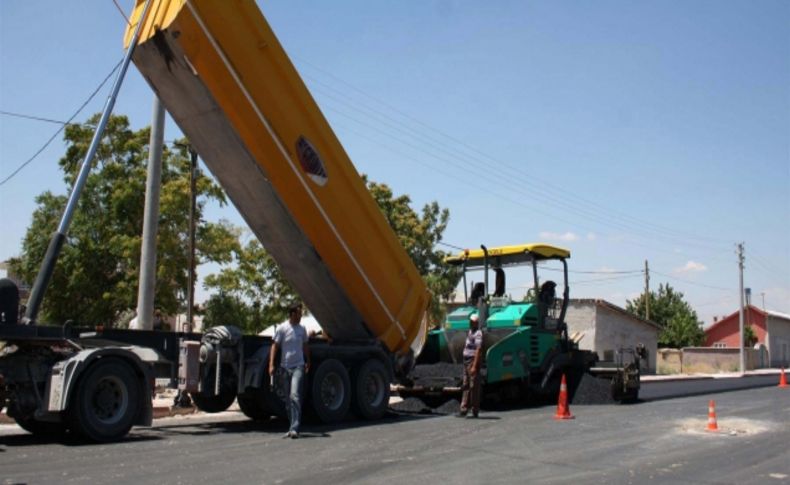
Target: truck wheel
(330, 391)
(260, 404)
(207, 401)
(106, 401)
(252, 406)
(42, 428)
(371, 390)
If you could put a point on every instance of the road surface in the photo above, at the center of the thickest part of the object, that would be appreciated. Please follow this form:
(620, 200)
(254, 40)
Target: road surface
(662, 441)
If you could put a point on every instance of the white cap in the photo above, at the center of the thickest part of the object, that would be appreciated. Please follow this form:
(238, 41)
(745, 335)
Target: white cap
(473, 317)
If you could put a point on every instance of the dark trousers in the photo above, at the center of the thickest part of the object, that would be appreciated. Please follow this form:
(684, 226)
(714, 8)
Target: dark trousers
(470, 397)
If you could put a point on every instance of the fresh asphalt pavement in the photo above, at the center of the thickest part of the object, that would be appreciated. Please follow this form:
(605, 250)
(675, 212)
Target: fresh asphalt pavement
(669, 389)
(660, 440)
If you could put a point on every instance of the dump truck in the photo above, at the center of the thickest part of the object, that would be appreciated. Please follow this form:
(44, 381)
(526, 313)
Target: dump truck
(526, 344)
(225, 79)
(222, 74)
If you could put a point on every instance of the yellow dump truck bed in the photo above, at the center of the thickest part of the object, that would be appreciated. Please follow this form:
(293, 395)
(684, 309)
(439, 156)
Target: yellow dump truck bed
(226, 80)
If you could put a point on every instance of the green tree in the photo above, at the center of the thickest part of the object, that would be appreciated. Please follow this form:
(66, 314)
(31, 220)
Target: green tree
(96, 277)
(256, 279)
(679, 324)
(419, 235)
(749, 337)
(226, 309)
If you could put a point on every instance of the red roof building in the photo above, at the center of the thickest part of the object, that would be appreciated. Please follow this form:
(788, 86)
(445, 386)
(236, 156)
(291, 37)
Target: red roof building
(772, 330)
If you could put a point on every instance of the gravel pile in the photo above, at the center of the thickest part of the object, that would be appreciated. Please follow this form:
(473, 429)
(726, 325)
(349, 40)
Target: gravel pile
(450, 407)
(592, 390)
(437, 375)
(415, 405)
(411, 405)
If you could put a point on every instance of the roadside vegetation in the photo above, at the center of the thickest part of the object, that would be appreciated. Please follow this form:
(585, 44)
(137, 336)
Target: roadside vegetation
(680, 326)
(96, 278)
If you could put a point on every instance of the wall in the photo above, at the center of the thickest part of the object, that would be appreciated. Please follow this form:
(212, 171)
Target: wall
(615, 329)
(607, 329)
(669, 361)
(779, 334)
(705, 360)
(580, 317)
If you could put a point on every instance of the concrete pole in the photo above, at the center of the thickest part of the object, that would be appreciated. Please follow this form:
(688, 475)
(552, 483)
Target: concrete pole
(647, 292)
(192, 229)
(147, 285)
(740, 309)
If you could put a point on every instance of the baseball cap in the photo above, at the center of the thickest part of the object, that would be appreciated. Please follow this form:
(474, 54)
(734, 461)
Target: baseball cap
(473, 317)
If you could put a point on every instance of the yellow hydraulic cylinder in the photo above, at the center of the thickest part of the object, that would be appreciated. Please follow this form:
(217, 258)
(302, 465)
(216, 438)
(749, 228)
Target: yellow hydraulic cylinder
(226, 80)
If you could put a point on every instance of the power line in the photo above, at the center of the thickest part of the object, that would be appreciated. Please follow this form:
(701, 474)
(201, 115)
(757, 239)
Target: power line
(598, 280)
(451, 246)
(76, 113)
(656, 229)
(120, 10)
(466, 181)
(31, 117)
(633, 271)
(475, 163)
(693, 282)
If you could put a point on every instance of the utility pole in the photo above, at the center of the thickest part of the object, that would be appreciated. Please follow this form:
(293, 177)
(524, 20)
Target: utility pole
(147, 285)
(192, 210)
(762, 295)
(740, 309)
(647, 292)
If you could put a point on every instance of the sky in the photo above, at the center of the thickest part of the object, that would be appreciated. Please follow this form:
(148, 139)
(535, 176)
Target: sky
(624, 131)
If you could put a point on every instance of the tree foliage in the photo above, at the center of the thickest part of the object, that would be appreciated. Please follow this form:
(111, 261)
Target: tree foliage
(256, 279)
(749, 336)
(419, 235)
(679, 324)
(96, 277)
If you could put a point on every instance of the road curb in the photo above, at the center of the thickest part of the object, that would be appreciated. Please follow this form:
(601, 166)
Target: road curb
(158, 413)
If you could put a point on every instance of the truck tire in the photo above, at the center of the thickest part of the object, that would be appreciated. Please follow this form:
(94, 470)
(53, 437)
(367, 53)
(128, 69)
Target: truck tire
(260, 404)
(330, 391)
(207, 401)
(371, 390)
(106, 401)
(42, 428)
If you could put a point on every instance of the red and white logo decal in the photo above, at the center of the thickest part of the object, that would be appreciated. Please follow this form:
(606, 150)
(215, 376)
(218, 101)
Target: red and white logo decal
(310, 161)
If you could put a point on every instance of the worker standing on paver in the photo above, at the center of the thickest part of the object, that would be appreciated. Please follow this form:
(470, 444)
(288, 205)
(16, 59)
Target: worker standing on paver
(295, 360)
(473, 360)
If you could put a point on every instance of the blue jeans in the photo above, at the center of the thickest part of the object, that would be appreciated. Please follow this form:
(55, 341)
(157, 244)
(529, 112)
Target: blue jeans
(293, 389)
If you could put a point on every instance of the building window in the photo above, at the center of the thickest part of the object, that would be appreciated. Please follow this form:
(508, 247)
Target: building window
(719, 345)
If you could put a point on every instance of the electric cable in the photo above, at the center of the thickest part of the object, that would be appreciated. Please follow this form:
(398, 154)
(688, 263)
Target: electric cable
(76, 113)
(456, 142)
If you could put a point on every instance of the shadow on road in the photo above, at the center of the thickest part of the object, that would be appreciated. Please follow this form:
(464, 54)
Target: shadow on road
(27, 439)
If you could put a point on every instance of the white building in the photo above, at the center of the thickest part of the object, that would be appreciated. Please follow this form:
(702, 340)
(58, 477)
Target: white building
(607, 327)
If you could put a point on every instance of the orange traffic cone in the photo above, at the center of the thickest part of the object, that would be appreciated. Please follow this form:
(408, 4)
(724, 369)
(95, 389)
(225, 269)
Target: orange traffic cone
(782, 379)
(563, 411)
(712, 424)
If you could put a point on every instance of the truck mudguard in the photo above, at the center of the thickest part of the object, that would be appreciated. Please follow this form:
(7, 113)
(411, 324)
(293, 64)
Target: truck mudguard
(65, 374)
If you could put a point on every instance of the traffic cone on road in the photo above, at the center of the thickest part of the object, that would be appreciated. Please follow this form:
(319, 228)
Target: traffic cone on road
(782, 379)
(563, 411)
(712, 424)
